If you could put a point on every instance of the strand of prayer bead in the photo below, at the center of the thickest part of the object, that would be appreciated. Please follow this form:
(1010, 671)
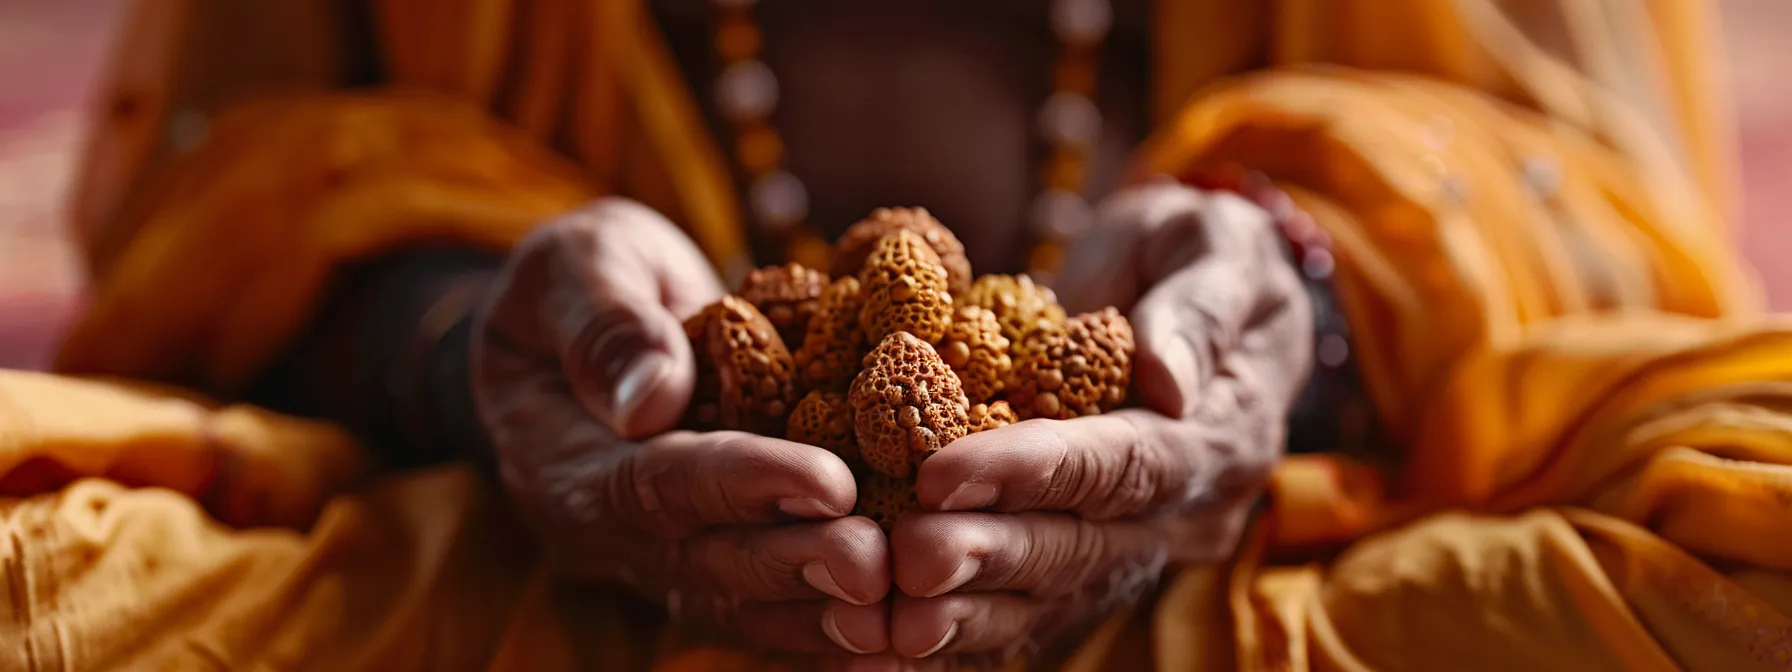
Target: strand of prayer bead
(746, 93)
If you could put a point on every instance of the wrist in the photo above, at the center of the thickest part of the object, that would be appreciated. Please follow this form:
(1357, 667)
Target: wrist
(430, 380)
(386, 357)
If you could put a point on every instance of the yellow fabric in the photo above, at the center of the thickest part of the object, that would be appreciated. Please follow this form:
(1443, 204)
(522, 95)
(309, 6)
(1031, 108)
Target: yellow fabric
(285, 190)
(1595, 419)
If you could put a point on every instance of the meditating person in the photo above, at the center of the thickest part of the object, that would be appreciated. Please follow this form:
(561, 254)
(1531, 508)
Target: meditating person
(383, 359)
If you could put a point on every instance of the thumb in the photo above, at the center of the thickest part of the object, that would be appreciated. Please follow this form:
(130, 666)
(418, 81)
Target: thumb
(631, 368)
(1186, 326)
(1214, 258)
(614, 276)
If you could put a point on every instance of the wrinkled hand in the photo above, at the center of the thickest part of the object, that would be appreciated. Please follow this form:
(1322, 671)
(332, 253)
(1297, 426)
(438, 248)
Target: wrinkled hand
(1105, 502)
(578, 355)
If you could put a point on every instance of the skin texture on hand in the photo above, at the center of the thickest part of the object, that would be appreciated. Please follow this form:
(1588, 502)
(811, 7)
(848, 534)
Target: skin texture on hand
(578, 358)
(1044, 526)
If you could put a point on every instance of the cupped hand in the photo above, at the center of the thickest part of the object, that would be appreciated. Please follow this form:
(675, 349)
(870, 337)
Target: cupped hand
(1045, 526)
(579, 356)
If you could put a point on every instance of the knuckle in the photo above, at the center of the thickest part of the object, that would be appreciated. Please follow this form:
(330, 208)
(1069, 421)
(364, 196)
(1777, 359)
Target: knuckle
(728, 563)
(667, 494)
(767, 568)
(1059, 556)
(1129, 475)
(716, 499)
(1059, 480)
(624, 498)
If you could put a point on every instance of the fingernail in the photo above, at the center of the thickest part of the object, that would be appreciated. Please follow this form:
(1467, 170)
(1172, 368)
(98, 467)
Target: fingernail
(640, 378)
(817, 574)
(831, 626)
(951, 632)
(969, 496)
(966, 571)
(806, 507)
(858, 630)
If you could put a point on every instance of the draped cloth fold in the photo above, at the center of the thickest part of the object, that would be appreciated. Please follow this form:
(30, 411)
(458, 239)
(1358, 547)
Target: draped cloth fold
(1592, 465)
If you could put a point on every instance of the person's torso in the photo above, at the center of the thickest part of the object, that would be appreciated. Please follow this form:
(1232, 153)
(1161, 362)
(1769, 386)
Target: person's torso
(932, 103)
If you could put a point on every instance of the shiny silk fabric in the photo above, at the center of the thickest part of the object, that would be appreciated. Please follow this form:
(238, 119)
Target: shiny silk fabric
(1592, 418)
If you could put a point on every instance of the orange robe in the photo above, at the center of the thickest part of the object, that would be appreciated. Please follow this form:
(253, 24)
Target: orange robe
(1594, 417)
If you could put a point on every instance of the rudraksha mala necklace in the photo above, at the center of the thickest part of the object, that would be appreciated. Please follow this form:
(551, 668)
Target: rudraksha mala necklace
(746, 93)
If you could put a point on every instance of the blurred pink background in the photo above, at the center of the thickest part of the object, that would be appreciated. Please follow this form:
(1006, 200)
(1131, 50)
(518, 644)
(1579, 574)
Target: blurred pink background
(52, 50)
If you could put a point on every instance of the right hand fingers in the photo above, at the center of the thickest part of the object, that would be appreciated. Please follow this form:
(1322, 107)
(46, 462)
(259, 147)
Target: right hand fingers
(601, 290)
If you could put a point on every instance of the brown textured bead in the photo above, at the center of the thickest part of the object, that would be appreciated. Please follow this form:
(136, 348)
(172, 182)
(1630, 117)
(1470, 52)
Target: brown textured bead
(788, 295)
(824, 419)
(904, 289)
(1081, 368)
(856, 244)
(885, 499)
(834, 346)
(978, 352)
(989, 416)
(753, 370)
(1018, 303)
(705, 411)
(906, 404)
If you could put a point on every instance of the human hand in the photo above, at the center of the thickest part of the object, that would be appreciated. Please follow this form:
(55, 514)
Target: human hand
(578, 355)
(1104, 502)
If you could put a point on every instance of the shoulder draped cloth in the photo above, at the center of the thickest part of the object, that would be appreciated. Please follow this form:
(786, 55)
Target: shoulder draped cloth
(1528, 197)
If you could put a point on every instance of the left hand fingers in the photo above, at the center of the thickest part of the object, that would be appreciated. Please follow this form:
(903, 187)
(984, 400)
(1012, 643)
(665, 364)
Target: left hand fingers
(1040, 555)
(1130, 463)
